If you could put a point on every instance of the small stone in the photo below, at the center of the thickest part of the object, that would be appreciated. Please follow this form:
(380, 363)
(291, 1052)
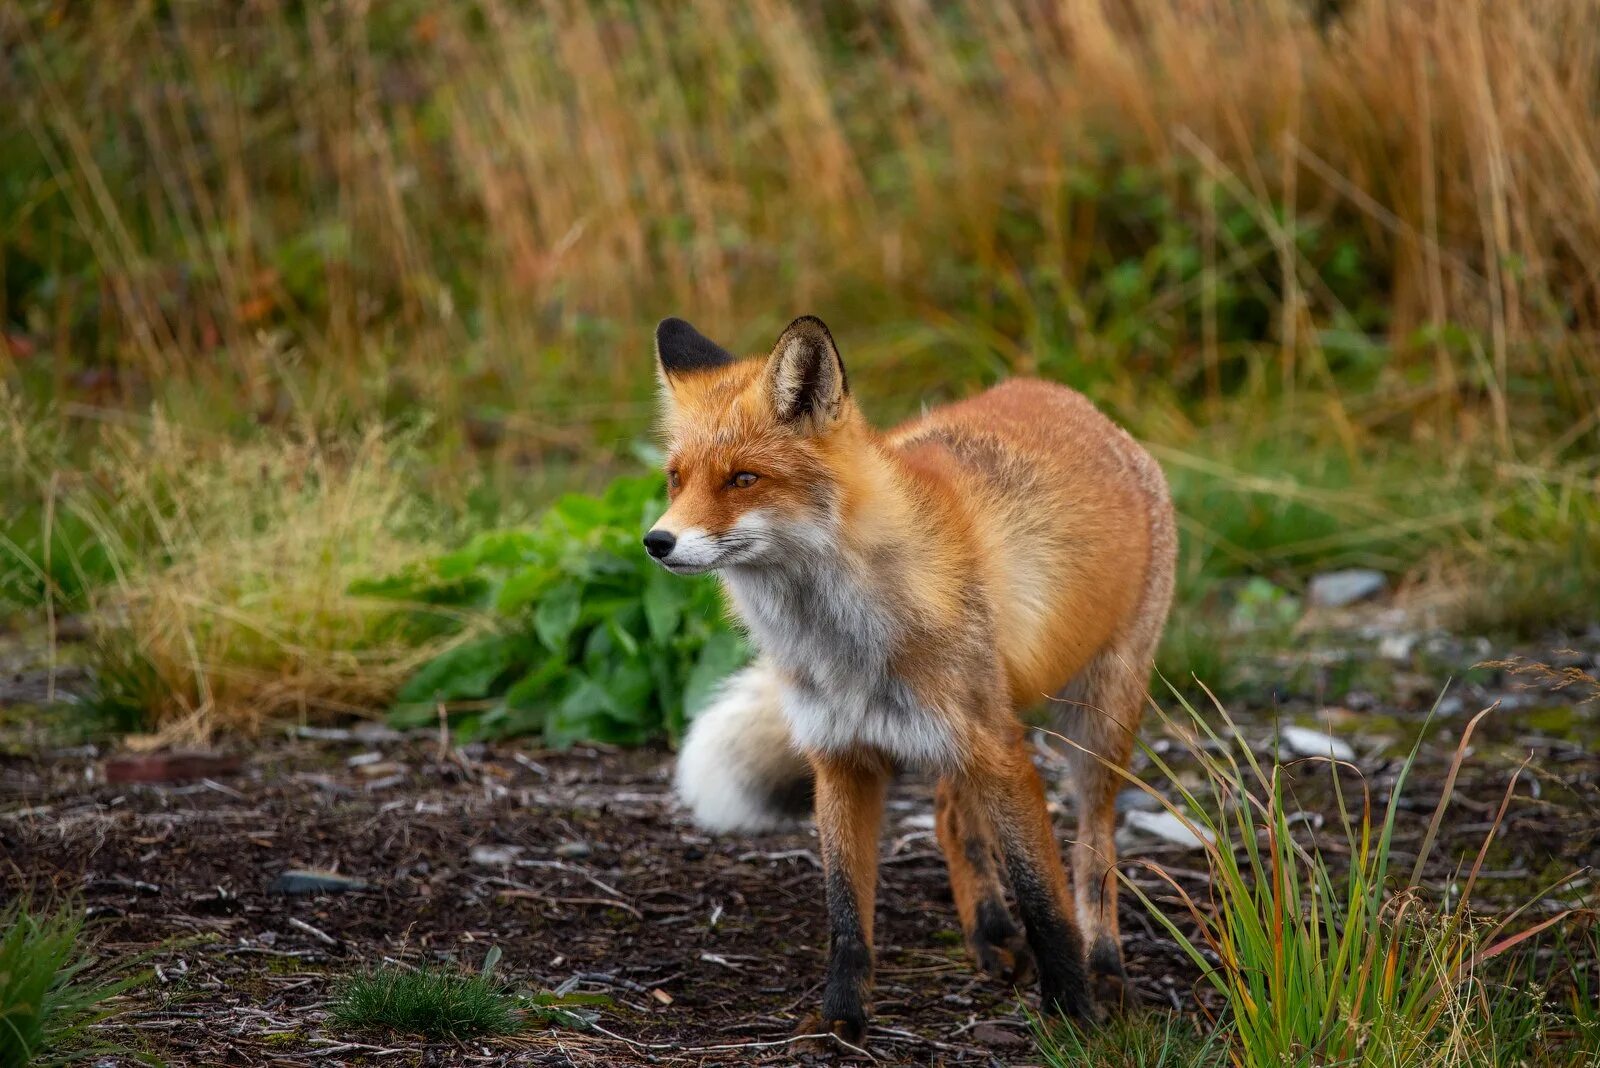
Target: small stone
(372, 733)
(495, 856)
(1170, 828)
(1133, 799)
(1397, 647)
(323, 734)
(573, 850)
(990, 1035)
(299, 881)
(1336, 589)
(168, 767)
(1305, 742)
(918, 821)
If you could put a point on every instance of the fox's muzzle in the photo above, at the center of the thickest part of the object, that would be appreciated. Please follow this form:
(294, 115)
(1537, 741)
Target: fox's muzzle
(659, 543)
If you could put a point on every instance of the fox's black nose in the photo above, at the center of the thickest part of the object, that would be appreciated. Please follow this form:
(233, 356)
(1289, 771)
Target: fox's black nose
(659, 543)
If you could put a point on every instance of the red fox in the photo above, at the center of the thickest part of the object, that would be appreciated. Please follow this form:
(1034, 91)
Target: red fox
(909, 593)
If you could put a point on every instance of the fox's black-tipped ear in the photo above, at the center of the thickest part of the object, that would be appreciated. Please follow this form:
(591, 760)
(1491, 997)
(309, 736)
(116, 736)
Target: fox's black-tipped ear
(806, 375)
(681, 349)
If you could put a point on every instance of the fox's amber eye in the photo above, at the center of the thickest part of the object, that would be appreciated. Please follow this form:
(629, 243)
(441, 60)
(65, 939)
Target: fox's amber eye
(743, 480)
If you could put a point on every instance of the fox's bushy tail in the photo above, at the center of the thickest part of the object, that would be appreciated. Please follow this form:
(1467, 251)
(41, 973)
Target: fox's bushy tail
(738, 768)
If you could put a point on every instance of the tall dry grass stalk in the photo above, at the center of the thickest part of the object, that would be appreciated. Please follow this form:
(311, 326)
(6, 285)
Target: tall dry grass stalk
(438, 199)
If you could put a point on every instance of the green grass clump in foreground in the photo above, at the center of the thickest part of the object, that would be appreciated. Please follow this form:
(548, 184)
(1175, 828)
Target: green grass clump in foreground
(432, 1003)
(47, 999)
(1344, 961)
(1148, 1040)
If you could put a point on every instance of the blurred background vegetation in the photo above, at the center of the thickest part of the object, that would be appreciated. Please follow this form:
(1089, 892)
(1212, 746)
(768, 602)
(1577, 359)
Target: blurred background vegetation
(298, 299)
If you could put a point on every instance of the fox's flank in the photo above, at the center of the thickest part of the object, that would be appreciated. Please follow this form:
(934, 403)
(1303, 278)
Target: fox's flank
(912, 592)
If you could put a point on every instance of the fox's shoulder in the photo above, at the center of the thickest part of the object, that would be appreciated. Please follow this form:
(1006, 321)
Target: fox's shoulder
(1018, 415)
(1027, 437)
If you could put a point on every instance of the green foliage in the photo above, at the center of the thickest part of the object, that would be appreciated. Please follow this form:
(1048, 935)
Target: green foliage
(589, 640)
(48, 999)
(1150, 1040)
(433, 1003)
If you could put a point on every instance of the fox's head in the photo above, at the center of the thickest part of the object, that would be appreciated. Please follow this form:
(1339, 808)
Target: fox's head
(757, 448)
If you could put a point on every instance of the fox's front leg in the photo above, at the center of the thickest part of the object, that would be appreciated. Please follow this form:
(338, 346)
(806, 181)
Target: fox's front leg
(849, 811)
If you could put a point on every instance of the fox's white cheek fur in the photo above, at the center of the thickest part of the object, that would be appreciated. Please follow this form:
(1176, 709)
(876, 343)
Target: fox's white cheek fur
(751, 537)
(835, 640)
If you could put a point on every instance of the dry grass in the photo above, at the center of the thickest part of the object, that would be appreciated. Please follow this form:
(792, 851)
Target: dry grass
(228, 606)
(454, 202)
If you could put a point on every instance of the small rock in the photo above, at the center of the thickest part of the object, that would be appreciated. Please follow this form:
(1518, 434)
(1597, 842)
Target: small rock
(1305, 742)
(1336, 589)
(918, 821)
(1133, 799)
(323, 782)
(361, 760)
(299, 881)
(988, 1034)
(573, 850)
(1397, 647)
(323, 734)
(1170, 828)
(495, 856)
(374, 733)
(168, 767)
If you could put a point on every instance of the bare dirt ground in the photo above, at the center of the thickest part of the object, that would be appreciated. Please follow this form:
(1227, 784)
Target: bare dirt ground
(583, 872)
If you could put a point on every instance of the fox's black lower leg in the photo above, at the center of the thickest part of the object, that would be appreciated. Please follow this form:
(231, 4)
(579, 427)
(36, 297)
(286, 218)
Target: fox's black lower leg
(1033, 862)
(849, 807)
(996, 943)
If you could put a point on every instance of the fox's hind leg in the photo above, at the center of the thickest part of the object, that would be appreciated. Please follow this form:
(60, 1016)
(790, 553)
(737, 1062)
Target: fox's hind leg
(996, 943)
(1101, 712)
(1003, 781)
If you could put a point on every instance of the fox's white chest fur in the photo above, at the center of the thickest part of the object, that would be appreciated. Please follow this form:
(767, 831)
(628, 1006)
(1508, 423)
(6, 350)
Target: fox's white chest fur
(834, 641)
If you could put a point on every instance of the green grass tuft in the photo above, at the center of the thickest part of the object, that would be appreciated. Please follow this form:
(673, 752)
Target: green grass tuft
(1324, 950)
(1144, 1040)
(48, 999)
(432, 1003)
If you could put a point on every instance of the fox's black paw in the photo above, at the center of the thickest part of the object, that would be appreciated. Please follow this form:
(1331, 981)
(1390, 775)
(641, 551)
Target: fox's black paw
(1112, 991)
(1072, 1000)
(1006, 957)
(850, 1029)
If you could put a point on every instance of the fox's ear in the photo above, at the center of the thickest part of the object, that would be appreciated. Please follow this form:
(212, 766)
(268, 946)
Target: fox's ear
(681, 349)
(806, 375)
